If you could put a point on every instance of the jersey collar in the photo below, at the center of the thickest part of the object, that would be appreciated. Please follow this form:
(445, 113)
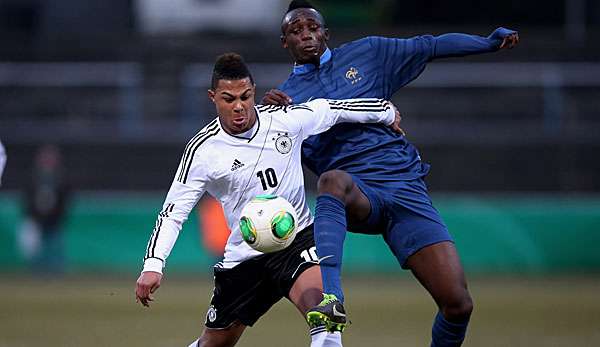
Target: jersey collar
(306, 68)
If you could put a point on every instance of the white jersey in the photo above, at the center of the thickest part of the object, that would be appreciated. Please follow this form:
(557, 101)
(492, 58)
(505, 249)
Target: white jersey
(235, 169)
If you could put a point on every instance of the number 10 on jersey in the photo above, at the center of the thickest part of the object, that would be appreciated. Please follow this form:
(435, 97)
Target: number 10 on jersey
(268, 178)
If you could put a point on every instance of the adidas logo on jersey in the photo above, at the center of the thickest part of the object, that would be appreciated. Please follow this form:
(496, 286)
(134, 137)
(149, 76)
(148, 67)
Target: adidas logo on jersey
(236, 165)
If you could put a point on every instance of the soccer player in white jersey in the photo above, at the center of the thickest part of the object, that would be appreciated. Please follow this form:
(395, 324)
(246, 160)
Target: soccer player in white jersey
(246, 151)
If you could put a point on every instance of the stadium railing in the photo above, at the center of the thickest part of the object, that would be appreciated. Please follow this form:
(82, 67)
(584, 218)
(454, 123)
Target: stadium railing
(125, 78)
(545, 90)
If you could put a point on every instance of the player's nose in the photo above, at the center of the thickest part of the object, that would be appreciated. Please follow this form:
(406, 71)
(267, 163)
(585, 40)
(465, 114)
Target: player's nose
(238, 107)
(306, 35)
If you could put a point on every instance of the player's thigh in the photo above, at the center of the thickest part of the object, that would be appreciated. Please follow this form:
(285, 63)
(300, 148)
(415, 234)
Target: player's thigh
(342, 185)
(307, 291)
(222, 337)
(365, 209)
(242, 293)
(413, 222)
(358, 206)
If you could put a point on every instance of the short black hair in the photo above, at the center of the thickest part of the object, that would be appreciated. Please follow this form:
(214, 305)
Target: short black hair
(230, 66)
(295, 4)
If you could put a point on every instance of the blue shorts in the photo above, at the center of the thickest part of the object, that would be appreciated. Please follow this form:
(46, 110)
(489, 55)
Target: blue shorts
(402, 212)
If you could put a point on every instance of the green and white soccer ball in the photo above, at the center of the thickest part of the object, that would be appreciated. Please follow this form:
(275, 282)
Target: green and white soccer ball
(268, 223)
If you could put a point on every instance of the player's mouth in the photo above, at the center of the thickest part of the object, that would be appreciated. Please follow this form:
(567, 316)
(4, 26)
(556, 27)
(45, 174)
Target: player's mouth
(310, 49)
(240, 122)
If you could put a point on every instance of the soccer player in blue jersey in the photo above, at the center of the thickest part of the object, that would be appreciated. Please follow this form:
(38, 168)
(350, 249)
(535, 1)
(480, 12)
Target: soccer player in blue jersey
(371, 179)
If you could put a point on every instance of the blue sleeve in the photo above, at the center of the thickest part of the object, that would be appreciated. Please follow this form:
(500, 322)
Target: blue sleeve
(402, 60)
(458, 45)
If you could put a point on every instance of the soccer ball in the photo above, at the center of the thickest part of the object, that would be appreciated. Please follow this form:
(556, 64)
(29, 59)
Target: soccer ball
(268, 223)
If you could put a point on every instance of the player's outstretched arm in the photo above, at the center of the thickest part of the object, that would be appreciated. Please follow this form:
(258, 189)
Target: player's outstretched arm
(146, 285)
(457, 45)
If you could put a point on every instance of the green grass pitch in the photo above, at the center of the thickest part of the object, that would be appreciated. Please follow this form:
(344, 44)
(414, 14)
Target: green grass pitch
(531, 312)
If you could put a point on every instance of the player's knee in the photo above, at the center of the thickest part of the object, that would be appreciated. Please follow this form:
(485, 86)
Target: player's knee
(459, 309)
(335, 182)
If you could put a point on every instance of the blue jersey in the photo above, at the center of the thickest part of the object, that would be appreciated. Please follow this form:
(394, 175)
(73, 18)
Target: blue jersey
(373, 67)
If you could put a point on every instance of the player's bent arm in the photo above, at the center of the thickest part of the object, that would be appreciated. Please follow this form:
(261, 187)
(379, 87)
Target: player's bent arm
(328, 113)
(185, 191)
(403, 60)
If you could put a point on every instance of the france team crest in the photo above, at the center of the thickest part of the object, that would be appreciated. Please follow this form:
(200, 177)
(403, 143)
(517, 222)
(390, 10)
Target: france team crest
(353, 75)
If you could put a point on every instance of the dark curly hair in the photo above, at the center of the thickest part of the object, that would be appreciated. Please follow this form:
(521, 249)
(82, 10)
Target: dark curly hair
(230, 66)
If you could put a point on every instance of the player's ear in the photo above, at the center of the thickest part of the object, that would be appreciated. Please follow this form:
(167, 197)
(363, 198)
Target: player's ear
(211, 95)
(326, 34)
(283, 41)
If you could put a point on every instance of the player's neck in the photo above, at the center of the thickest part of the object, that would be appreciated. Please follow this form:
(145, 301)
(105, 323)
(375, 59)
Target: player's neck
(249, 132)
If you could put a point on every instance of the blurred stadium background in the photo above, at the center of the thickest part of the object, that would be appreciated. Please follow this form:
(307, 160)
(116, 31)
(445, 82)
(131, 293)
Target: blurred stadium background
(118, 86)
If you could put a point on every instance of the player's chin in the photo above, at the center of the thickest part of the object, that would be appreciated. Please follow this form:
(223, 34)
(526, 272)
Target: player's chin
(305, 57)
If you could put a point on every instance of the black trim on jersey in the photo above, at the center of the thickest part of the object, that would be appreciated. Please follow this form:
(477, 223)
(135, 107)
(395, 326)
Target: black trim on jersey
(157, 228)
(163, 261)
(257, 128)
(256, 132)
(272, 108)
(264, 108)
(152, 243)
(186, 153)
(183, 176)
(301, 107)
(376, 105)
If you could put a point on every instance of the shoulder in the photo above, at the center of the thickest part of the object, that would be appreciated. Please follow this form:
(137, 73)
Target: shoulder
(365, 42)
(289, 117)
(191, 158)
(266, 110)
(286, 84)
(284, 112)
(311, 106)
(205, 135)
(200, 142)
(274, 114)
